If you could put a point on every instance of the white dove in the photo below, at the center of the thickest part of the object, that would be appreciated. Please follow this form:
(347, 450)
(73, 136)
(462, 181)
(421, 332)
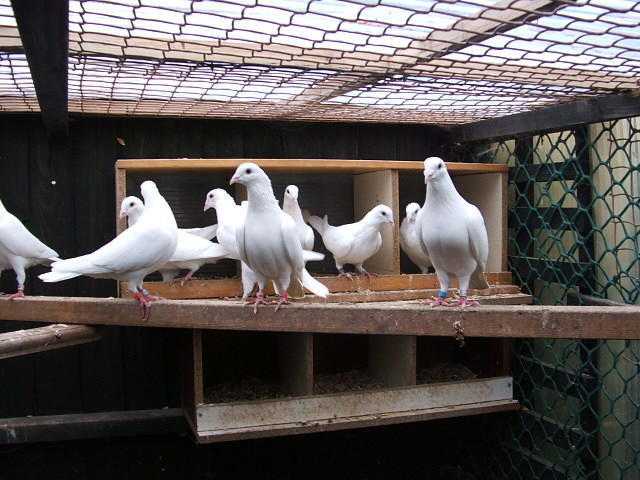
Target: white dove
(132, 255)
(454, 234)
(192, 251)
(354, 243)
(20, 249)
(268, 241)
(230, 217)
(410, 238)
(290, 205)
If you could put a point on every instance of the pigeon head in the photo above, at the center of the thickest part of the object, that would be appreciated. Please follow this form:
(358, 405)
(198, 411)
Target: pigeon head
(412, 211)
(291, 192)
(148, 189)
(434, 169)
(380, 215)
(132, 208)
(248, 174)
(216, 197)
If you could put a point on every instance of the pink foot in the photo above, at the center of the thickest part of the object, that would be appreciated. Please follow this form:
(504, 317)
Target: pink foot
(259, 300)
(369, 275)
(464, 302)
(18, 294)
(283, 300)
(345, 275)
(435, 302)
(145, 305)
(186, 278)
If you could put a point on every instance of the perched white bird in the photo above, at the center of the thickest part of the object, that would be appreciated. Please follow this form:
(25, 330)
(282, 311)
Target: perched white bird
(268, 240)
(230, 217)
(132, 255)
(192, 251)
(354, 243)
(410, 240)
(20, 249)
(290, 205)
(454, 234)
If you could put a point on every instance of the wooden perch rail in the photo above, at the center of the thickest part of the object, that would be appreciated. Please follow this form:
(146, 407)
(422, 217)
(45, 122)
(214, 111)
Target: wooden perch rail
(51, 337)
(390, 318)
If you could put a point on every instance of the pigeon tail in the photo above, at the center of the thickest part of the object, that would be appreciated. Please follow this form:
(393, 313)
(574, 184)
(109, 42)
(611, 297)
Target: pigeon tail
(208, 233)
(52, 276)
(310, 256)
(313, 285)
(320, 224)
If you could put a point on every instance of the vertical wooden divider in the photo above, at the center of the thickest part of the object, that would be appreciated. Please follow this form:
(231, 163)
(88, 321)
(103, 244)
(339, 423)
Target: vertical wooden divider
(192, 380)
(295, 360)
(392, 359)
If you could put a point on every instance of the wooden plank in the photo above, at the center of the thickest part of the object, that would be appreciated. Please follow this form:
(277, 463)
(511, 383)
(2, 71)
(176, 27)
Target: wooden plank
(566, 115)
(488, 192)
(299, 165)
(192, 383)
(295, 359)
(376, 188)
(51, 337)
(392, 359)
(56, 428)
(305, 410)
(389, 318)
(121, 193)
(44, 31)
(232, 287)
(335, 424)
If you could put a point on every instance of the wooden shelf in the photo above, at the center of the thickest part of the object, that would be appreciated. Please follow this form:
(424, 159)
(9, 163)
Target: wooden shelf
(388, 318)
(297, 165)
(286, 416)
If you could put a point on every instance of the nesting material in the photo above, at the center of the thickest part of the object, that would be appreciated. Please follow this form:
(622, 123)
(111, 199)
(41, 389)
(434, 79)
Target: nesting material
(445, 372)
(244, 389)
(353, 380)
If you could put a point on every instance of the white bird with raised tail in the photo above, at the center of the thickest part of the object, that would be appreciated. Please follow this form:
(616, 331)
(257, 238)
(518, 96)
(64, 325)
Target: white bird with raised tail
(132, 255)
(410, 241)
(20, 249)
(192, 251)
(268, 240)
(354, 243)
(291, 206)
(454, 234)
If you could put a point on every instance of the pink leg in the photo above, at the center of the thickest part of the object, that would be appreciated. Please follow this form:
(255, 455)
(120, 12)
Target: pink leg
(144, 305)
(435, 302)
(283, 300)
(18, 294)
(464, 302)
(186, 278)
(345, 274)
(259, 300)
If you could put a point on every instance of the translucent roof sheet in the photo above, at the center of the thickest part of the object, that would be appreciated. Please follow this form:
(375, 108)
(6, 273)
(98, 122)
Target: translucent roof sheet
(418, 61)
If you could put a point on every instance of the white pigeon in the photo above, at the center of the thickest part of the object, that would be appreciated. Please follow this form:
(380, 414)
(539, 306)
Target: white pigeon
(192, 251)
(410, 238)
(454, 234)
(230, 217)
(268, 241)
(354, 243)
(20, 249)
(132, 255)
(290, 205)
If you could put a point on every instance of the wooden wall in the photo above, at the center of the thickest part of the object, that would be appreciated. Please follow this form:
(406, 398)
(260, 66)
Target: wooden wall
(64, 192)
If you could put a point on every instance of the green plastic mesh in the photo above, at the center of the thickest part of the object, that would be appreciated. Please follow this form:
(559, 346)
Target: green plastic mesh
(574, 219)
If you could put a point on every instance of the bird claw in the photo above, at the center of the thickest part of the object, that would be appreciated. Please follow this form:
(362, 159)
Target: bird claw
(185, 279)
(345, 275)
(369, 275)
(18, 294)
(465, 302)
(145, 305)
(283, 300)
(258, 300)
(436, 302)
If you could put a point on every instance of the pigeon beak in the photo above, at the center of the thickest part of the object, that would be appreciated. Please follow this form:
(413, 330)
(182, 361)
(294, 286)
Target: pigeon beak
(234, 179)
(206, 206)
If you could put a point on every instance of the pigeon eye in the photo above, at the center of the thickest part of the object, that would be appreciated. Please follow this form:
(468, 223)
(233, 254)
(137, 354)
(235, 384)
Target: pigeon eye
(439, 165)
(211, 195)
(384, 213)
(131, 204)
(248, 170)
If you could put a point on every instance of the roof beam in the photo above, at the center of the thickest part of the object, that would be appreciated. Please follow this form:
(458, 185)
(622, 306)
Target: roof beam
(44, 30)
(558, 117)
(42, 339)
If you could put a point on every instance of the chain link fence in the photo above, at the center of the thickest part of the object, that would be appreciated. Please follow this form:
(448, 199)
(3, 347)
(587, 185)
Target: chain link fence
(574, 212)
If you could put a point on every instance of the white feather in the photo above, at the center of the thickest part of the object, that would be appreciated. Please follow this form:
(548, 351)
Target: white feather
(410, 240)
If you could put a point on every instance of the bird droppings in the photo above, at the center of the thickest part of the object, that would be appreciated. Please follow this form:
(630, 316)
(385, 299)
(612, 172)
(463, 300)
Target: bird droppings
(445, 372)
(245, 389)
(353, 380)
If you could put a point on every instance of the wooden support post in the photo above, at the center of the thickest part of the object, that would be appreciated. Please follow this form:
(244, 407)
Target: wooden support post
(295, 358)
(369, 190)
(44, 31)
(41, 339)
(392, 359)
(192, 381)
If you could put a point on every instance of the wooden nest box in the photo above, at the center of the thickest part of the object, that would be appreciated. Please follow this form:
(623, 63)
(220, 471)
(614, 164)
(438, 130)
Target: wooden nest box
(240, 384)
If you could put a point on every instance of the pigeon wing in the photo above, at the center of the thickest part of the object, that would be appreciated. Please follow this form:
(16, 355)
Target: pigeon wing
(19, 241)
(478, 244)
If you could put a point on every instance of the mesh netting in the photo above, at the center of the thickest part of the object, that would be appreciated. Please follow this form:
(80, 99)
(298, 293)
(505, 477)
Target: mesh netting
(574, 220)
(357, 60)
